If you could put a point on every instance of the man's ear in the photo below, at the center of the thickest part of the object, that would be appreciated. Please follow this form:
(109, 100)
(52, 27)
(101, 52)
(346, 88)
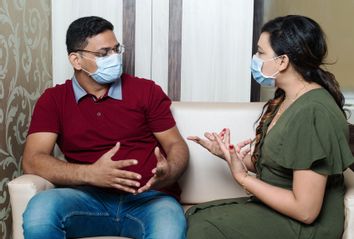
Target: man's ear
(74, 59)
(284, 62)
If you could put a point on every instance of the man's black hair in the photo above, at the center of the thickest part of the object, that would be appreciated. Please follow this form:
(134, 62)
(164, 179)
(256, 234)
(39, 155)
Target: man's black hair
(83, 28)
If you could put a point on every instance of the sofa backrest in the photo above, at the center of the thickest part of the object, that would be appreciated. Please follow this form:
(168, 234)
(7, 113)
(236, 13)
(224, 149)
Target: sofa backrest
(208, 177)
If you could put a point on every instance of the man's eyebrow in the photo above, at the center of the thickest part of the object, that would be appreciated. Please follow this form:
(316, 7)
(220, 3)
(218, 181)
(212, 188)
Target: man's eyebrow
(108, 48)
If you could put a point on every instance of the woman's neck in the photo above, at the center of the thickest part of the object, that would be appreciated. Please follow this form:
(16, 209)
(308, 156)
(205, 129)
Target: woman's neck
(295, 91)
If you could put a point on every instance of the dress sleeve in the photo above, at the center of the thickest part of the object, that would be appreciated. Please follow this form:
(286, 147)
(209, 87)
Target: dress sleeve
(159, 115)
(318, 141)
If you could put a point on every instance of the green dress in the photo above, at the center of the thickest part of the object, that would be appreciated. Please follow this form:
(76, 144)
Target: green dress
(311, 134)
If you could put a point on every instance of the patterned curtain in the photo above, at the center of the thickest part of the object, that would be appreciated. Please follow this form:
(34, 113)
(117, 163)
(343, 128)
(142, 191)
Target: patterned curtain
(25, 71)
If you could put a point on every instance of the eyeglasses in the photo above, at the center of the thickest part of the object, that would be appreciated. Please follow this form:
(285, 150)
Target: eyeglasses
(105, 51)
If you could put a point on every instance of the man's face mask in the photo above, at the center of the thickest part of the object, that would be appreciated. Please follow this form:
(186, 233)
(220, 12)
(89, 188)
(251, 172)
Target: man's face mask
(256, 68)
(109, 68)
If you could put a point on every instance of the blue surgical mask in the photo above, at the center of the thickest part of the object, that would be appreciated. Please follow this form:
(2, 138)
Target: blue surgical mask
(256, 68)
(109, 69)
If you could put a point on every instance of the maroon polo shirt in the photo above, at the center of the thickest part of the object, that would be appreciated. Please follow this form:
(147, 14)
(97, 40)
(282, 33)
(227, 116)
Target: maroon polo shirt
(89, 128)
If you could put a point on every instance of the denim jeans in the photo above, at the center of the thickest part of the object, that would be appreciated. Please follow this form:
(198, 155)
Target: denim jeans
(87, 211)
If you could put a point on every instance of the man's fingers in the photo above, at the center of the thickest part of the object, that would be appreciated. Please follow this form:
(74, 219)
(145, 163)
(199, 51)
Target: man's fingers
(113, 150)
(159, 155)
(125, 163)
(158, 171)
(124, 188)
(144, 188)
(126, 174)
(148, 185)
(126, 182)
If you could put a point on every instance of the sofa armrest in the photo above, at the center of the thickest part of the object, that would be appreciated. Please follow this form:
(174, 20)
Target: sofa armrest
(349, 214)
(21, 190)
(349, 205)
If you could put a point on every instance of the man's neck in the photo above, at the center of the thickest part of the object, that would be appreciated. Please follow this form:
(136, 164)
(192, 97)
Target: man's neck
(91, 86)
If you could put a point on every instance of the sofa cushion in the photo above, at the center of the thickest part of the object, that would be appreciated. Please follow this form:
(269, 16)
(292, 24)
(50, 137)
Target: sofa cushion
(208, 177)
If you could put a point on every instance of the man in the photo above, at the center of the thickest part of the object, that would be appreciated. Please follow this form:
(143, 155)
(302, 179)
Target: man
(124, 153)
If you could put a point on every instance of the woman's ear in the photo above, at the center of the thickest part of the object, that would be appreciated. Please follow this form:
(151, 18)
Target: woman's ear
(284, 62)
(74, 59)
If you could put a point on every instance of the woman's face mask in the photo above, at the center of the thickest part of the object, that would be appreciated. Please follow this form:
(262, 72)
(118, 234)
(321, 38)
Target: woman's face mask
(256, 68)
(109, 69)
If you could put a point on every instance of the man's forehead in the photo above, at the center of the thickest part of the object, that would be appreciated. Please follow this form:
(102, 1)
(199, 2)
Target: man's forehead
(103, 39)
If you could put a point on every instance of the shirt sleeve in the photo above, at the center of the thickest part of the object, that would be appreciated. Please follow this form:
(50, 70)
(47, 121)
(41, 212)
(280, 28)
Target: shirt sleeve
(159, 115)
(45, 117)
(318, 142)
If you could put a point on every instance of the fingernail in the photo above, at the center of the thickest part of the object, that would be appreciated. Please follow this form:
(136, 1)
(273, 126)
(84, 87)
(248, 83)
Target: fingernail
(224, 129)
(137, 184)
(138, 177)
(231, 146)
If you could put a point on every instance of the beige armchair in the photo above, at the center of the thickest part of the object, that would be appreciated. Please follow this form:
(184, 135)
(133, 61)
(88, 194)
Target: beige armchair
(207, 178)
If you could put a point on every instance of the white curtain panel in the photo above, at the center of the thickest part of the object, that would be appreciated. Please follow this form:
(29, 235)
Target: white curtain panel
(216, 50)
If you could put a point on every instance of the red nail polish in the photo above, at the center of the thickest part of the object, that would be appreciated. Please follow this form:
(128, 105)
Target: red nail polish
(224, 129)
(231, 146)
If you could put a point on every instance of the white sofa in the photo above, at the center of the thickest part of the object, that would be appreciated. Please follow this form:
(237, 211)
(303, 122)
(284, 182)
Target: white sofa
(207, 177)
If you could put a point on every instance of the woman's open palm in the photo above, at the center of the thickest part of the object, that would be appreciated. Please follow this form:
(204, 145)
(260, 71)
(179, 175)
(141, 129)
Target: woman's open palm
(210, 142)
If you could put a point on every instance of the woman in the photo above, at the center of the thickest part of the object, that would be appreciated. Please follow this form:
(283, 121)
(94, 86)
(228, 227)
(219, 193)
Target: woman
(301, 146)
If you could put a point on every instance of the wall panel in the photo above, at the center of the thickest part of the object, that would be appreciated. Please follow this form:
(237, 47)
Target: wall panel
(25, 71)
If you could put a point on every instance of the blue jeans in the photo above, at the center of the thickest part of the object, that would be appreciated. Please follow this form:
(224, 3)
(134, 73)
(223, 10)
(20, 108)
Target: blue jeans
(87, 211)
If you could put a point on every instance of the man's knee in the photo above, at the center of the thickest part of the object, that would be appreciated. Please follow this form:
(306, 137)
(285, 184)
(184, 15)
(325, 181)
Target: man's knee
(170, 220)
(41, 214)
(42, 204)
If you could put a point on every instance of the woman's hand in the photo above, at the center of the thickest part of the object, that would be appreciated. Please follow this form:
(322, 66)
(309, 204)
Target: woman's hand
(244, 148)
(210, 143)
(236, 165)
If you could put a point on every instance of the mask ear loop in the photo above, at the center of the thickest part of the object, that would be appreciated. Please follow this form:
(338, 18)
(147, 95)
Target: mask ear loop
(272, 76)
(89, 73)
(281, 57)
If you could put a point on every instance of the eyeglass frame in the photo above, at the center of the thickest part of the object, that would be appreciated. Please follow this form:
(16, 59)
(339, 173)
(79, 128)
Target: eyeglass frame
(119, 49)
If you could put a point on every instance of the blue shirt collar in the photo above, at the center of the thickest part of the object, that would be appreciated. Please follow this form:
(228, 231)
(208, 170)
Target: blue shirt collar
(115, 90)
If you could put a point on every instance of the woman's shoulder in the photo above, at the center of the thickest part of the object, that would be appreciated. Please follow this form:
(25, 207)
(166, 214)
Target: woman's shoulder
(317, 100)
(316, 105)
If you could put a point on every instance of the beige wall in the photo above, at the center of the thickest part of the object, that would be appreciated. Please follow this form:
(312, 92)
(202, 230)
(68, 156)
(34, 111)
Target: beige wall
(336, 19)
(25, 70)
